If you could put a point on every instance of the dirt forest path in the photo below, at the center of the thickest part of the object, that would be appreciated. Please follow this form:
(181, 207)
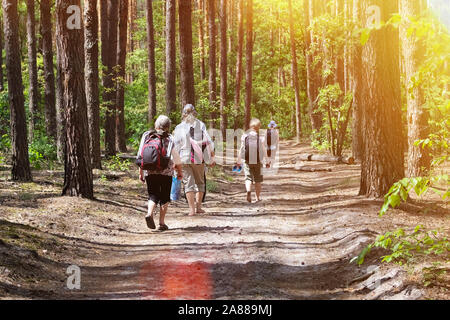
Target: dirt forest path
(296, 244)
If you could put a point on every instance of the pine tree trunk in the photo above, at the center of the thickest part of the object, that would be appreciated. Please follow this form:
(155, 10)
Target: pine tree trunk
(417, 116)
(121, 144)
(19, 142)
(239, 54)
(32, 66)
(212, 60)
(186, 59)
(60, 111)
(151, 64)
(77, 165)
(249, 64)
(357, 87)
(201, 38)
(223, 66)
(92, 91)
(312, 10)
(47, 52)
(110, 13)
(339, 61)
(171, 68)
(2, 86)
(298, 115)
(382, 162)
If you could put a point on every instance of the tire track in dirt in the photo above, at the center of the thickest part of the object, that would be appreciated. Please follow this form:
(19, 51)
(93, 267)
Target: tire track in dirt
(296, 244)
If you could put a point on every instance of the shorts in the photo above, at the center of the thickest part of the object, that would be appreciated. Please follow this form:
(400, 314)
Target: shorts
(253, 173)
(158, 187)
(194, 178)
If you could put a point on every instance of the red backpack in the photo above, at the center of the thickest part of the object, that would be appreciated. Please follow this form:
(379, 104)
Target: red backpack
(154, 154)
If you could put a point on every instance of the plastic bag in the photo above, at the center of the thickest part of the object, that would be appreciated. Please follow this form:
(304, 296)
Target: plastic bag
(175, 192)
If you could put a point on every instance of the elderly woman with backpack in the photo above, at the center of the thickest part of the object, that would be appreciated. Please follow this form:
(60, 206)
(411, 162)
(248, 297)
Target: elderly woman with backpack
(157, 160)
(196, 148)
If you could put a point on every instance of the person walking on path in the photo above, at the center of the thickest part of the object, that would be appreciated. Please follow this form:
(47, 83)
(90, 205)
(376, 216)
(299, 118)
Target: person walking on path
(272, 139)
(253, 152)
(158, 155)
(195, 147)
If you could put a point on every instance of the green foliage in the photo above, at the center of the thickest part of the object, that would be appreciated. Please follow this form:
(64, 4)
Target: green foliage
(404, 248)
(336, 109)
(420, 185)
(115, 163)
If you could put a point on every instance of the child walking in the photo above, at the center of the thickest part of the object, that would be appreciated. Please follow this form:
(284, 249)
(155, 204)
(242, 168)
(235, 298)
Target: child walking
(253, 153)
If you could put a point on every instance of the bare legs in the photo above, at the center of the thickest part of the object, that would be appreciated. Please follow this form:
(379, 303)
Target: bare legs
(195, 202)
(151, 208)
(248, 188)
(199, 200)
(162, 213)
(191, 201)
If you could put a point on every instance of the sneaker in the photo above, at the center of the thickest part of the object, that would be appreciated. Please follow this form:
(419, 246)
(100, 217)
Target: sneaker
(150, 222)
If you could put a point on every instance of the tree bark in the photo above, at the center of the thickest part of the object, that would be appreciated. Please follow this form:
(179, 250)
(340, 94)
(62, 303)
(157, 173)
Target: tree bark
(223, 67)
(382, 162)
(151, 63)
(240, 36)
(60, 111)
(356, 86)
(109, 13)
(2, 86)
(249, 64)
(312, 10)
(298, 115)
(92, 91)
(419, 159)
(77, 165)
(212, 60)
(186, 59)
(33, 96)
(121, 143)
(49, 75)
(19, 142)
(171, 68)
(201, 38)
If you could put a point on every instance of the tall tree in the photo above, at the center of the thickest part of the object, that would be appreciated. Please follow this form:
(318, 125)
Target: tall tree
(298, 115)
(413, 54)
(223, 66)
(356, 85)
(186, 59)
(60, 111)
(109, 16)
(171, 67)
(201, 37)
(19, 142)
(382, 162)
(77, 165)
(121, 144)
(339, 76)
(32, 65)
(249, 64)
(312, 9)
(212, 60)
(151, 63)
(49, 75)
(2, 87)
(239, 54)
(91, 50)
